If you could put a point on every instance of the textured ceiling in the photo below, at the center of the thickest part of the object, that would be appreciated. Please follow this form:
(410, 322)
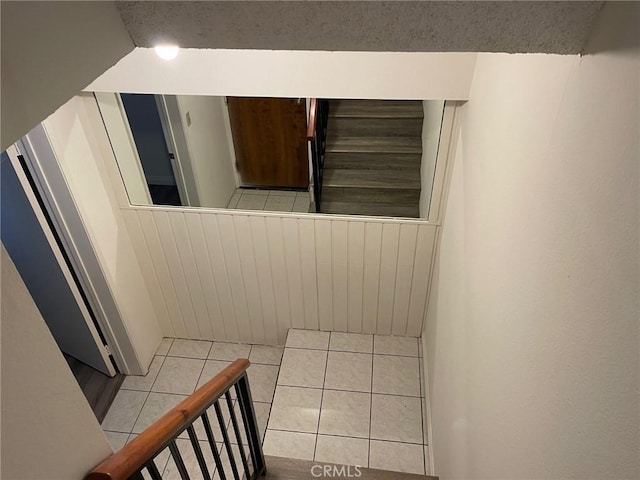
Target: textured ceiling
(531, 27)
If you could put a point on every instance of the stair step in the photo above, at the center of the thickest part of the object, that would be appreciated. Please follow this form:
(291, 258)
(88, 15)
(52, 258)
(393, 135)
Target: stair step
(375, 144)
(370, 209)
(291, 469)
(372, 178)
(372, 161)
(376, 127)
(376, 108)
(388, 196)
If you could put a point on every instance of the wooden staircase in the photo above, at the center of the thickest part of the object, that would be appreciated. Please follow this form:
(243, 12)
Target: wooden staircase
(290, 469)
(372, 158)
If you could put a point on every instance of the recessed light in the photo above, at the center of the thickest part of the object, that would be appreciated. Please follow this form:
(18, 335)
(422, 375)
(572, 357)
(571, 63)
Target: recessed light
(167, 52)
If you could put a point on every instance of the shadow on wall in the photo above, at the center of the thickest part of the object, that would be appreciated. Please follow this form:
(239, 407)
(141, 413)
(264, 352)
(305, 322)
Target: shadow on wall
(626, 38)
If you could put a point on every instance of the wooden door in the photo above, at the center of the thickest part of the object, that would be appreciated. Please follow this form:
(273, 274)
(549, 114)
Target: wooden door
(269, 137)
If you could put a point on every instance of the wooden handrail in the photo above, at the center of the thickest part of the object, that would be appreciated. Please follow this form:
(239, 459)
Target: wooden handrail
(313, 118)
(135, 454)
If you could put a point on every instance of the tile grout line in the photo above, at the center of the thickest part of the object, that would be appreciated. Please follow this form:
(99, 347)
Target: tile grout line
(349, 391)
(146, 399)
(422, 413)
(204, 364)
(324, 378)
(371, 405)
(345, 436)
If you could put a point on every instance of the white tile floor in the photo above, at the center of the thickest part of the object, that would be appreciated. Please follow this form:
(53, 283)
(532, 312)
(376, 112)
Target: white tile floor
(332, 397)
(270, 200)
(178, 368)
(350, 399)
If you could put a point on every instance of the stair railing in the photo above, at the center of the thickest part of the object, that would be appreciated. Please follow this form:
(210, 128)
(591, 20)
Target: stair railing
(317, 137)
(139, 455)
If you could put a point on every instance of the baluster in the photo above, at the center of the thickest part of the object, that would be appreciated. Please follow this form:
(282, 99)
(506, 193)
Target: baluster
(236, 430)
(251, 425)
(177, 458)
(226, 441)
(212, 444)
(153, 470)
(198, 451)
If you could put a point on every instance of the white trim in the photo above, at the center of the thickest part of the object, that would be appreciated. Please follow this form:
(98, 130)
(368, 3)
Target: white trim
(261, 213)
(229, 134)
(171, 121)
(13, 153)
(447, 142)
(116, 124)
(43, 165)
(450, 147)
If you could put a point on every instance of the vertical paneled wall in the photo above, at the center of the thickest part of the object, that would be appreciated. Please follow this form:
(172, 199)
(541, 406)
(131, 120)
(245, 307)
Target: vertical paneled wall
(251, 277)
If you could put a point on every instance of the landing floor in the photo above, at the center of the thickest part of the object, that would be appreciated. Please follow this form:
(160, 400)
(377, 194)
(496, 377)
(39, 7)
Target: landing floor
(339, 398)
(350, 399)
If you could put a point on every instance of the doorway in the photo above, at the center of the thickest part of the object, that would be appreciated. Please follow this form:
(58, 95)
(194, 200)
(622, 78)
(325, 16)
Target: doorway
(153, 149)
(33, 245)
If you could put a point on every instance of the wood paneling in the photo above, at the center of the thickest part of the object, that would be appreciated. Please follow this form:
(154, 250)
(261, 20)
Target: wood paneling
(249, 278)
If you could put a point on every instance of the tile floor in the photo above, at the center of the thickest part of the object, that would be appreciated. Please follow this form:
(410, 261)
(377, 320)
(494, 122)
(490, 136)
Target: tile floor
(350, 399)
(331, 397)
(269, 200)
(178, 368)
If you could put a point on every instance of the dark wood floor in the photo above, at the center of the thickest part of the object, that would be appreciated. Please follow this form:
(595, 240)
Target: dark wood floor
(99, 388)
(290, 469)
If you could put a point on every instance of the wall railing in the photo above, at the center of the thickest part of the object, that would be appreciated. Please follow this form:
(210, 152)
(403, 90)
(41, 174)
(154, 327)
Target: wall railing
(317, 137)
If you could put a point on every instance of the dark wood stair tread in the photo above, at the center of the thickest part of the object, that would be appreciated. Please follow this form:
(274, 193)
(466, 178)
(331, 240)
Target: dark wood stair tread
(376, 108)
(411, 145)
(372, 160)
(374, 127)
(291, 469)
(372, 178)
(371, 209)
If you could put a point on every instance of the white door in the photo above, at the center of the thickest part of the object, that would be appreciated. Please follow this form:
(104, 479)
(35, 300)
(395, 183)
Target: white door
(32, 245)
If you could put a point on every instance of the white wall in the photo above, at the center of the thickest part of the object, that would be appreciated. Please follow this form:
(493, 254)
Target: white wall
(209, 148)
(48, 428)
(532, 324)
(427, 76)
(249, 277)
(433, 111)
(81, 146)
(43, 65)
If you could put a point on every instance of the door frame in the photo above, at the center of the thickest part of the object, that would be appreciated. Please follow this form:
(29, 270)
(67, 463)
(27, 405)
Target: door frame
(56, 249)
(171, 121)
(49, 180)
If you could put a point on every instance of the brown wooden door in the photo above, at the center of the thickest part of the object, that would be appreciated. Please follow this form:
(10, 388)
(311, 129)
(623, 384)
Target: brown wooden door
(269, 137)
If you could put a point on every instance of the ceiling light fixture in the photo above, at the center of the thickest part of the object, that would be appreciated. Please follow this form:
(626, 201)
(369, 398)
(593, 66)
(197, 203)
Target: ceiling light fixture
(167, 52)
